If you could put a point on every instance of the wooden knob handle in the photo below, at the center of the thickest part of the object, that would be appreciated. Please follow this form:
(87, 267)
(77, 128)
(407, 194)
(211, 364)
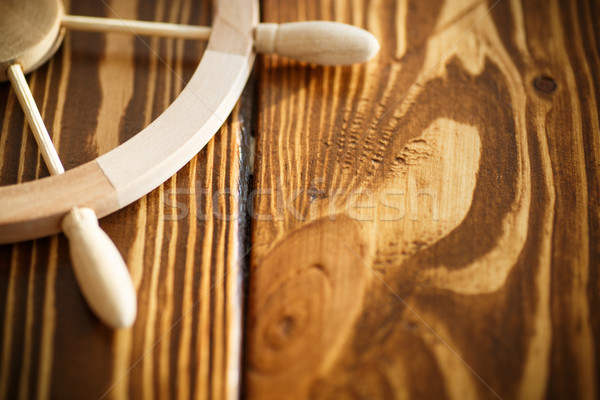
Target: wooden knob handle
(319, 42)
(100, 270)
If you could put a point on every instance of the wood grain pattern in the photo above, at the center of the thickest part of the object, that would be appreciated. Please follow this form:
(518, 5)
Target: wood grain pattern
(427, 225)
(423, 226)
(183, 253)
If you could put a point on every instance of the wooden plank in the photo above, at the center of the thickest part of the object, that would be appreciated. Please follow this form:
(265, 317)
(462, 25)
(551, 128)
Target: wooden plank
(183, 253)
(427, 225)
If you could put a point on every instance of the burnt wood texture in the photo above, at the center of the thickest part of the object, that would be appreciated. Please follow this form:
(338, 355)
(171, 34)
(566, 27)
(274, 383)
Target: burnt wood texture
(423, 226)
(430, 219)
(184, 259)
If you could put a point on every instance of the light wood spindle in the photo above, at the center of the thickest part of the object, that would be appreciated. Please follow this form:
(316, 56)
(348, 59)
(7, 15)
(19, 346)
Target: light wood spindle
(317, 42)
(99, 267)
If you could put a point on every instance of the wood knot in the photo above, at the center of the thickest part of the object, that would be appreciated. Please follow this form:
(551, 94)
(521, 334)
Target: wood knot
(287, 326)
(289, 320)
(544, 84)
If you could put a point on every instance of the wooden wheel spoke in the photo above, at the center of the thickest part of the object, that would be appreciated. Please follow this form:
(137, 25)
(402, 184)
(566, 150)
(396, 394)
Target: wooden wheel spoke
(319, 42)
(99, 268)
(164, 29)
(116, 179)
(34, 118)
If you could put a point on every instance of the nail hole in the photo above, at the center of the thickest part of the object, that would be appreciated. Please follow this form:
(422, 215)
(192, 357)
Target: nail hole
(544, 84)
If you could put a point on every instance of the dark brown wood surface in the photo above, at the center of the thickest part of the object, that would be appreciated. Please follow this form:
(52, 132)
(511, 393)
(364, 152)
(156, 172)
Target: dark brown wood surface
(182, 248)
(469, 265)
(423, 226)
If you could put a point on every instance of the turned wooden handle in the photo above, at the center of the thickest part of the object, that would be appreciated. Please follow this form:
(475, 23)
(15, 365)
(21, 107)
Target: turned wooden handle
(318, 42)
(100, 270)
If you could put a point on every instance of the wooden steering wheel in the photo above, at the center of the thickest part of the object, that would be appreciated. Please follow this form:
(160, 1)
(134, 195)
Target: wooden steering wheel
(133, 169)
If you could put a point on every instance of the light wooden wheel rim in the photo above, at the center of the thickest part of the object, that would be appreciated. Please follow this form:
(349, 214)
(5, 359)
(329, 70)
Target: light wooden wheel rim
(136, 167)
